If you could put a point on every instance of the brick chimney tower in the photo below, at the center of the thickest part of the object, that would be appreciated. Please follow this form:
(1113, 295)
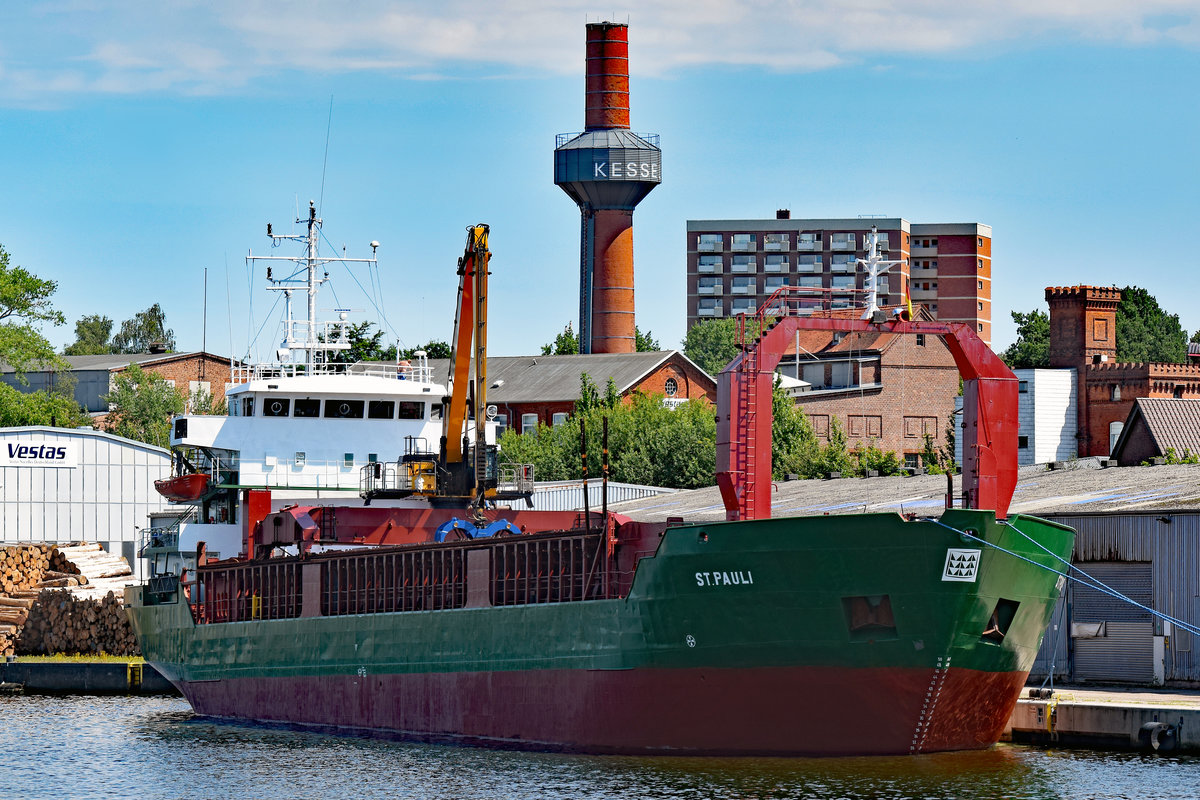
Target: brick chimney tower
(1083, 325)
(607, 170)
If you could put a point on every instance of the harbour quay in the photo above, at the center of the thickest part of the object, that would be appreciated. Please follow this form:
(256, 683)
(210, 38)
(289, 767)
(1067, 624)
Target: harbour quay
(82, 677)
(1108, 718)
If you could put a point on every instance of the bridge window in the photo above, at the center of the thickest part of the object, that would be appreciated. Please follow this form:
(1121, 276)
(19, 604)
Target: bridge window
(344, 409)
(381, 409)
(412, 410)
(276, 406)
(306, 408)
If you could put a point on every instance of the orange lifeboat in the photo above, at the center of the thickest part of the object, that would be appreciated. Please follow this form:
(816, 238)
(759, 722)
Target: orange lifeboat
(183, 488)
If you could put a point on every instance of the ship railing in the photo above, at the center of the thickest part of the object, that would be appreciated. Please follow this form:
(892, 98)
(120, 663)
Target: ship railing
(164, 536)
(514, 570)
(405, 370)
(515, 478)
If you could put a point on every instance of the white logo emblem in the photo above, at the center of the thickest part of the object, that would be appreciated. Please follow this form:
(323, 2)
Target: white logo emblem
(691, 640)
(961, 565)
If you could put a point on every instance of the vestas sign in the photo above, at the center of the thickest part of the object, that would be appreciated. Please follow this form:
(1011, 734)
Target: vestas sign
(38, 453)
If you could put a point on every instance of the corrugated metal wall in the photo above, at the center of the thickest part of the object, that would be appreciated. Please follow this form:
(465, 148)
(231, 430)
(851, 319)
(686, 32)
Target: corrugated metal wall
(1125, 651)
(568, 495)
(104, 497)
(1170, 542)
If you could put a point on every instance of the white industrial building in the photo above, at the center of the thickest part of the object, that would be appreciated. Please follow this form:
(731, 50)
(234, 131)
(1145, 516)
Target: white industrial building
(1047, 416)
(63, 485)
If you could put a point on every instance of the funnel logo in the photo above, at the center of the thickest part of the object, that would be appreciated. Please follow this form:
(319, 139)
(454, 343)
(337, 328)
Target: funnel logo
(39, 453)
(961, 565)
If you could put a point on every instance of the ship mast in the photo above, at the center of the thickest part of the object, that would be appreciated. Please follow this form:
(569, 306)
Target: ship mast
(313, 342)
(874, 266)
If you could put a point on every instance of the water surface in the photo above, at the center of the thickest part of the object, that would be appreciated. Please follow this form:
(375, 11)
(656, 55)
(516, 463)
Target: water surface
(95, 747)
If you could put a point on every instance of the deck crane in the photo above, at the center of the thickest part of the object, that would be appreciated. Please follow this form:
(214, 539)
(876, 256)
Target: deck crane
(744, 402)
(465, 470)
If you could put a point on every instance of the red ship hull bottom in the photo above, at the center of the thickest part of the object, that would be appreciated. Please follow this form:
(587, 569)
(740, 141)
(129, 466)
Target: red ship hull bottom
(819, 711)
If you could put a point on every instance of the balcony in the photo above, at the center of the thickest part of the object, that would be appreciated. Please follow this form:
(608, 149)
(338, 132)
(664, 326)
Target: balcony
(776, 243)
(710, 288)
(710, 247)
(709, 311)
(743, 288)
(840, 265)
(776, 264)
(810, 264)
(744, 265)
(808, 246)
(744, 307)
(844, 244)
(916, 251)
(773, 285)
(709, 267)
(744, 245)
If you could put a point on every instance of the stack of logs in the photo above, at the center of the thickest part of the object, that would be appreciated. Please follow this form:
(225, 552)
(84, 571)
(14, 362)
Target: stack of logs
(48, 604)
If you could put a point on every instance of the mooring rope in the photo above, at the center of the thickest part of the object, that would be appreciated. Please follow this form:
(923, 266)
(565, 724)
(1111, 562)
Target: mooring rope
(1094, 584)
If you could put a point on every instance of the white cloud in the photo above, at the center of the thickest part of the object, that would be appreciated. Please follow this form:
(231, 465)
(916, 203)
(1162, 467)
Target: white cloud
(186, 46)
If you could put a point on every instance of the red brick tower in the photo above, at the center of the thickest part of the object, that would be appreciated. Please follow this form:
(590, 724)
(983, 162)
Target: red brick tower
(1083, 325)
(607, 170)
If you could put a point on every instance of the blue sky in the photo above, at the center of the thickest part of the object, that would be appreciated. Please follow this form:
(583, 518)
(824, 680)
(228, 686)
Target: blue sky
(141, 143)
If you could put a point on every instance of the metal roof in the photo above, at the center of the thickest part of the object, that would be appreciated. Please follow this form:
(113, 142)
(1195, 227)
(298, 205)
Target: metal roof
(1080, 487)
(111, 361)
(548, 379)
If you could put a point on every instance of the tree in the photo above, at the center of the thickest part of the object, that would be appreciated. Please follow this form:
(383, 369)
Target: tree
(56, 408)
(24, 305)
(565, 344)
(1147, 333)
(433, 349)
(1031, 350)
(141, 406)
(1195, 337)
(146, 328)
(648, 442)
(794, 446)
(92, 334)
(644, 342)
(712, 344)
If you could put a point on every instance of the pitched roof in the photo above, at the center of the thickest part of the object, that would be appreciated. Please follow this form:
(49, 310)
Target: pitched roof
(1168, 421)
(535, 379)
(111, 361)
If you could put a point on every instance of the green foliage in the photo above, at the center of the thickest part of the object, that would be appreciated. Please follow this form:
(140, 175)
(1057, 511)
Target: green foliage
(1147, 333)
(24, 305)
(52, 408)
(794, 446)
(434, 348)
(142, 404)
(1031, 350)
(931, 457)
(1188, 456)
(648, 444)
(201, 401)
(644, 342)
(712, 344)
(145, 328)
(835, 455)
(870, 457)
(92, 333)
(589, 396)
(565, 344)
(612, 397)
(1195, 337)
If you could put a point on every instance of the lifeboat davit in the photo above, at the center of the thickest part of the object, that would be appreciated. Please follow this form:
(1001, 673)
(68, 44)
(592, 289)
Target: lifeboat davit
(183, 488)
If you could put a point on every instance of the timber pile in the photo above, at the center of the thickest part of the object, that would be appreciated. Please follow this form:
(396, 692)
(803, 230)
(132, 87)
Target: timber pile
(84, 615)
(59, 622)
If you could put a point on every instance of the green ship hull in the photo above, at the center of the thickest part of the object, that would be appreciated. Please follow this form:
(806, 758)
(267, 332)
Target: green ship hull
(857, 634)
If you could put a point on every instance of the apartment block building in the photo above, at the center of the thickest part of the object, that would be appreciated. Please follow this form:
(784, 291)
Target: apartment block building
(734, 266)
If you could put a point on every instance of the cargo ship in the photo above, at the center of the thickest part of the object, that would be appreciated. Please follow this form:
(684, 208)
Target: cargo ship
(470, 622)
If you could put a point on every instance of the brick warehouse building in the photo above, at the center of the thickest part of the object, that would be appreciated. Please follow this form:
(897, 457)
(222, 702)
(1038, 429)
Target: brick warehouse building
(735, 265)
(1083, 334)
(887, 390)
(93, 376)
(532, 390)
